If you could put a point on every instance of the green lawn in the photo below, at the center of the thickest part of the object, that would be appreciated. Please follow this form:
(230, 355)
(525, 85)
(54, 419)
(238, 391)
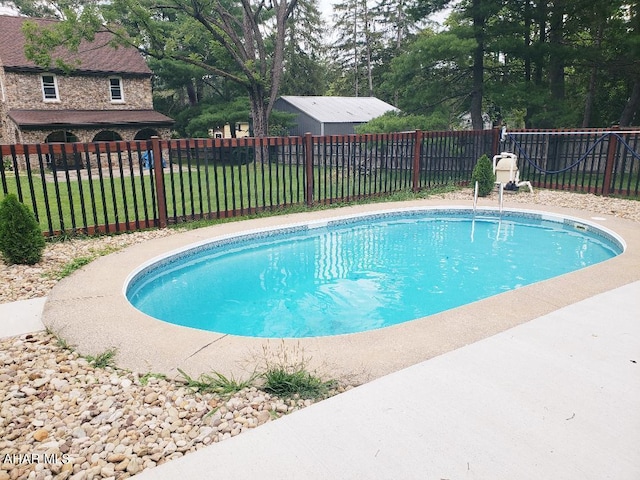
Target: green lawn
(76, 203)
(73, 203)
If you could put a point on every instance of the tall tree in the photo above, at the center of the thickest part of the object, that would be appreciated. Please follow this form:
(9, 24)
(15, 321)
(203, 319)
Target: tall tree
(432, 77)
(250, 33)
(631, 108)
(304, 64)
(356, 49)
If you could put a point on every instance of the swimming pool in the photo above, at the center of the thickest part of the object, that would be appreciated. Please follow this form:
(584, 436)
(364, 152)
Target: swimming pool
(360, 273)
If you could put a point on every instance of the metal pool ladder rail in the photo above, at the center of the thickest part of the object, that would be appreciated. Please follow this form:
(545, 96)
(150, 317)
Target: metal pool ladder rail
(500, 197)
(475, 198)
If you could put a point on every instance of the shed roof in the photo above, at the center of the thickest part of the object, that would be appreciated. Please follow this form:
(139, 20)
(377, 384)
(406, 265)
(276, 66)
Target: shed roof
(94, 118)
(96, 57)
(340, 109)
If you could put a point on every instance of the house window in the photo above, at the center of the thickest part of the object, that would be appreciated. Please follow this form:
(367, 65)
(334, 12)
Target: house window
(50, 88)
(115, 89)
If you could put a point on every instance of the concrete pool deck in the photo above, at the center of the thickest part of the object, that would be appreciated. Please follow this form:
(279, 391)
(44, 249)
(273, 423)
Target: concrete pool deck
(553, 398)
(90, 311)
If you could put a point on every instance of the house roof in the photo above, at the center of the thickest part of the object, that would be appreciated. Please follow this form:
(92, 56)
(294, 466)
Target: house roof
(339, 109)
(96, 57)
(87, 118)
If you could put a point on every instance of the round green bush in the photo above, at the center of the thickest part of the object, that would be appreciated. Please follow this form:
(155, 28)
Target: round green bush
(483, 174)
(21, 240)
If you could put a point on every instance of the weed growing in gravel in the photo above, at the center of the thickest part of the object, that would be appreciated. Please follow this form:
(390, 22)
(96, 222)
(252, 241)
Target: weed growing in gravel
(217, 383)
(70, 267)
(286, 373)
(79, 262)
(284, 383)
(102, 360)
(144, 379)
(60, 342)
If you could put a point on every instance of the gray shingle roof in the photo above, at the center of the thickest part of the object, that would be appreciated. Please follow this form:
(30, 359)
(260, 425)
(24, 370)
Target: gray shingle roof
(340, 109)
(97, 57)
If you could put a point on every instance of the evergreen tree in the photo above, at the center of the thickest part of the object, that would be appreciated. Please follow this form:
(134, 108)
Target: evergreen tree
(21, 240)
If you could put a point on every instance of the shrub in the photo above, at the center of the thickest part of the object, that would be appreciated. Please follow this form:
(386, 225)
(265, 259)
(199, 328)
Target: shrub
(21, 240)
(483, 174)
(7, 164)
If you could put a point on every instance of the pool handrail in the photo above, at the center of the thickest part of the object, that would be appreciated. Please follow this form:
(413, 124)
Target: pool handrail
(475, 196)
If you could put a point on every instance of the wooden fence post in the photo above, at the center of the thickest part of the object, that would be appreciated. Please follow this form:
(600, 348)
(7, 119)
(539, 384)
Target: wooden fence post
(611, 159)
(158, 175)
(417, 150)
(308, 141)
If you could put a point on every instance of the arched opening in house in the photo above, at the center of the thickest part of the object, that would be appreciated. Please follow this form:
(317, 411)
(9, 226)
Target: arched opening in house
(61, 136)
(107, 136)
(146, 134)
(63, 161)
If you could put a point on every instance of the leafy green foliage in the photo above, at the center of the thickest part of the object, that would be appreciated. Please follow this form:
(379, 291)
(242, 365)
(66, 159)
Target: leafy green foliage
(401, 122)
(483, 174)
(21, 240)
(7, 164)
(280, 123)
(196, 121)
(432, 79)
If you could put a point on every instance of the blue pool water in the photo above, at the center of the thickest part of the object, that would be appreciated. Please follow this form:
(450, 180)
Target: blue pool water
(362, 273)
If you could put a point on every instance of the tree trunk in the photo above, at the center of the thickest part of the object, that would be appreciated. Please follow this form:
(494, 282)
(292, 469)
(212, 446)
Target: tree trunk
(191, 93)
(541, 17)
(632, 106)
(588, 102)
(368, 40)
(593, 78)
(527, 41)
(258, 113)
(556, 57)
(478, 67)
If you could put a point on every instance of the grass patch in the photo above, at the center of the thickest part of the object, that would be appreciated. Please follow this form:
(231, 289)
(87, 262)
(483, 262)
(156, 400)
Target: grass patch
(283, 383)
(60, 342)
(216, 383)
(287, 373)
(102, 360)
(144, 379)
(79, 262)
(70, 267)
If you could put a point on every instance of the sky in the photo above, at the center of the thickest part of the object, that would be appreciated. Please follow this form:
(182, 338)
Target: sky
(6, 11)
(326, 7)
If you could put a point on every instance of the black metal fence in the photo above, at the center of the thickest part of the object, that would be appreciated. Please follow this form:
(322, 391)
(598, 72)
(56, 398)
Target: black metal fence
(125, 186)
(605, 162)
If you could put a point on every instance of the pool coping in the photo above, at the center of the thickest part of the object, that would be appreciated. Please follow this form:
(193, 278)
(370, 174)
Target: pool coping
(89, 309)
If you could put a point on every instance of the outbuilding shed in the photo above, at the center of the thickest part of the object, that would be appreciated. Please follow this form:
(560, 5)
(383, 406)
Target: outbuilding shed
(330, 115)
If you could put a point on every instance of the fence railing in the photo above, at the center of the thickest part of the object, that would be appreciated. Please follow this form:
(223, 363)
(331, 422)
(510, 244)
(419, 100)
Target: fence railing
(605, 162)
(125, 186)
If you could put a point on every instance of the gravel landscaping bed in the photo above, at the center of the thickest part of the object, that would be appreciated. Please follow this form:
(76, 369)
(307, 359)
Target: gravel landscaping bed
(63, 417)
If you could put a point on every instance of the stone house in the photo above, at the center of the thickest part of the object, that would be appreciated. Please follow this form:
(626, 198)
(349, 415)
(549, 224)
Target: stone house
(106, 97)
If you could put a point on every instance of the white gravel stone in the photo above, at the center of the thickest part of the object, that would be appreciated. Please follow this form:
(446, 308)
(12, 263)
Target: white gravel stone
(103, 419)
